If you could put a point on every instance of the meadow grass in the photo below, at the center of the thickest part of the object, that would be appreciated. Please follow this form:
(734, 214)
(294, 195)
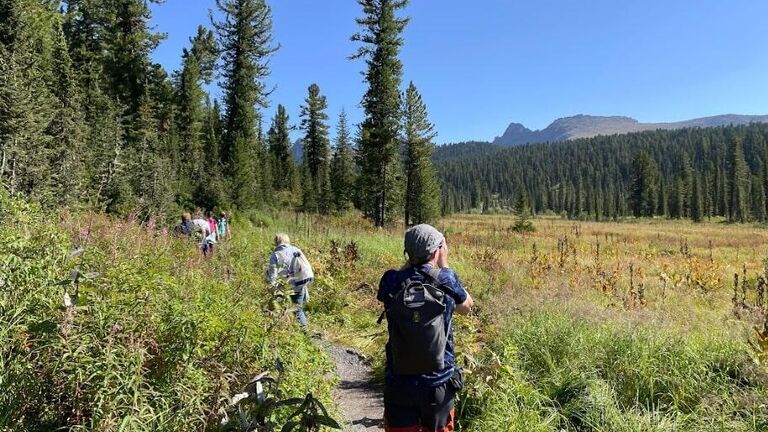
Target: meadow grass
(579, 326)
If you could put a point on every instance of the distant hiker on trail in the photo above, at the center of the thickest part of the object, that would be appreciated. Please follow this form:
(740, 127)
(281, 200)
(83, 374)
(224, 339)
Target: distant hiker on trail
(421, 378)
(213, 224)
(290, 262)
(186, 227)
(224, 226)
(208, 239)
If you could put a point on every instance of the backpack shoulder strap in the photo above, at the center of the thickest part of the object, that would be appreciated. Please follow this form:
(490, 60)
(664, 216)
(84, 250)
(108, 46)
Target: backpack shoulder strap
(433, 274)
(392, 297)
(403, 287)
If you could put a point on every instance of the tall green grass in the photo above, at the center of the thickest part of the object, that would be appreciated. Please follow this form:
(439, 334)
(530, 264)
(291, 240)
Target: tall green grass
(157, 341)
(555, 372)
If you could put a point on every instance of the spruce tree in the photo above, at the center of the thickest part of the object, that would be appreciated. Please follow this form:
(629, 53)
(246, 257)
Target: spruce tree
(146, 145)
(663, 207)
(197, 69)
(130, 41)
(245, 37)
(521, 205)
(380, 182)
(68, 128)
(644, 187)
(580, 198)
(212, 193)
(686, 191)
(162, 171)
(697, 200)
(706, 185)
(422, 193)
(677, 198)
(343, 179)
(738, 179)
(764, 182)
(723, 194)
(757, 208)
(316, 151)
(309, 196)
(26, 104)
(110, 43)
(279, 140)
(128, 68)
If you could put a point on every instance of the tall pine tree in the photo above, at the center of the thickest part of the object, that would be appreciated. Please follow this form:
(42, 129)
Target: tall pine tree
(697, 200)
(245, 37)
(757, 199)
(422, 192)
(27, 104)
(738, 181)
(343, 179)
(197, 69)
(316, 151)
(284, 175)
(68, 126)
(213, 192)
(645, 185)
(380, 182)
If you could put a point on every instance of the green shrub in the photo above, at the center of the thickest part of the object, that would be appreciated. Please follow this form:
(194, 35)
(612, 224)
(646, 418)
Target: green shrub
(156, 339)
(260, 220)
(523, 224)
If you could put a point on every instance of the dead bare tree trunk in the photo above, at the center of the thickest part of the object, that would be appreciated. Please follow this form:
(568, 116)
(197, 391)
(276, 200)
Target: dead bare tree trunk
(2, 163)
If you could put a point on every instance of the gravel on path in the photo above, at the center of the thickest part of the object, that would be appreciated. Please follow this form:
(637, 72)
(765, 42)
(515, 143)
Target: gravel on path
(360, 400)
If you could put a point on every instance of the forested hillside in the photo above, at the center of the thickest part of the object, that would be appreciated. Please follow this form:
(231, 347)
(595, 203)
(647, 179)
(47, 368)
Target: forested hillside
(588, 126)
(88, 119)
(688, 173)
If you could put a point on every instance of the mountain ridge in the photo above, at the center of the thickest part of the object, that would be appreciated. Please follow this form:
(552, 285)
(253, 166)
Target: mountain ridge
(587, 126)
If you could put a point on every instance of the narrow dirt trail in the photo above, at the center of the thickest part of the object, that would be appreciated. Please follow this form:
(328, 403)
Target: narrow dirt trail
(360, 400)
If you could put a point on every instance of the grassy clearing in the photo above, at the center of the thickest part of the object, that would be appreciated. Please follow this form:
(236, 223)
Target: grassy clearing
(613, 327)
(553, 372)
(579, 326)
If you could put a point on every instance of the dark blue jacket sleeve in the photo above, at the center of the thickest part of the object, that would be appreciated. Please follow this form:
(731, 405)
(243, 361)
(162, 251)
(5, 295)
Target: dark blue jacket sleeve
(450, 281)
(386, 285)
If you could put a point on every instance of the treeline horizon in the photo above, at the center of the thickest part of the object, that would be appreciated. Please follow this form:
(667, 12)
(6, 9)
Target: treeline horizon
(693, 173)
(88, 119)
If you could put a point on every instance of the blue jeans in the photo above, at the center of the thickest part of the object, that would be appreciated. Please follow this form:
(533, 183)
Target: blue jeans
(299, 300)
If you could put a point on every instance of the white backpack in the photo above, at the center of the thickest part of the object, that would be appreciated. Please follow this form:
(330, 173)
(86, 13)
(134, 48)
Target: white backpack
(300, 267)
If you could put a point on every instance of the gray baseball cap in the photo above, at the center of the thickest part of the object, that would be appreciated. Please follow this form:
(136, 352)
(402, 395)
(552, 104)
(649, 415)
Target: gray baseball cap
(421, 241)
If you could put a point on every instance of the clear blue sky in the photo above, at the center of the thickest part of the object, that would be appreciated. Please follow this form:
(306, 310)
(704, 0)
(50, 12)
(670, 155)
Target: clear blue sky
(484, 63)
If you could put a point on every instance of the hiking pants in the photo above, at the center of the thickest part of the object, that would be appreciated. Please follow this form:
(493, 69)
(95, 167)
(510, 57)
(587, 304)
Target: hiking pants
(299, 298)
(419, 409)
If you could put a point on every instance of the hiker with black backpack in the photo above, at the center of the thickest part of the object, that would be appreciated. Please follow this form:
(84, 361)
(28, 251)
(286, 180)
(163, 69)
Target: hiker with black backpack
(421, 376)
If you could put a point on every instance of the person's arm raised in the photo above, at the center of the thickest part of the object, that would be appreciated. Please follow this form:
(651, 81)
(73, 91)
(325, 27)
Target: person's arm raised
(466, 307)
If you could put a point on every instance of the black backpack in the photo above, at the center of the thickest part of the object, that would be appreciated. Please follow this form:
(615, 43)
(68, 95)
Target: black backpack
(417, 335)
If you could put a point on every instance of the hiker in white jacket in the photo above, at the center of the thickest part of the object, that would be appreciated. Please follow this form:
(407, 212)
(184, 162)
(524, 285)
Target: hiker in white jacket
(289, 262)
